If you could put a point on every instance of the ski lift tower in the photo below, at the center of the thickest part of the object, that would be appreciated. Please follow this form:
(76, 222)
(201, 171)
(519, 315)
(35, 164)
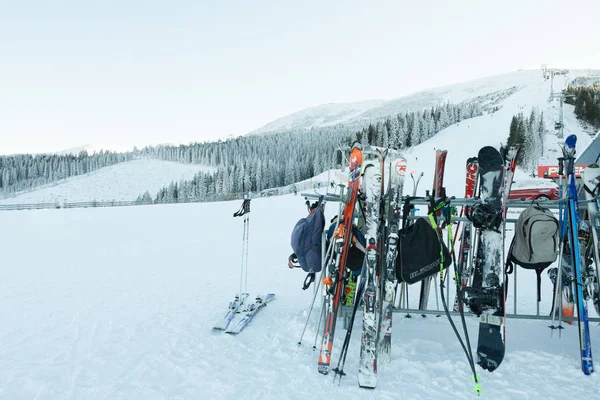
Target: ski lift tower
(560, 96)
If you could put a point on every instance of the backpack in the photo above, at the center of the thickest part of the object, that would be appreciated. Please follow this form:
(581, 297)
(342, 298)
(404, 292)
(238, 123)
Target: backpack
(419, 252)
(306, 240)
(535, 243)
(356, 256)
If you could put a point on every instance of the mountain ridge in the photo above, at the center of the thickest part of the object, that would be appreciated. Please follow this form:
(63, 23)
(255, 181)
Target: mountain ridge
(332, 114)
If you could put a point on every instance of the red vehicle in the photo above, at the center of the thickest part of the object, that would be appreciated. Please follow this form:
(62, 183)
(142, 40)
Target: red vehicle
(534, 189)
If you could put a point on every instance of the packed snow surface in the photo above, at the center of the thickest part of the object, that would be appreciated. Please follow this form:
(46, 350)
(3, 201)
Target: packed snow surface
(119, 303)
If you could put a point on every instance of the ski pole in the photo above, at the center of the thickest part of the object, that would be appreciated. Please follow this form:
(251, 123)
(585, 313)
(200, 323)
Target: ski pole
(321, 315)
(243, 254)
(312, 304)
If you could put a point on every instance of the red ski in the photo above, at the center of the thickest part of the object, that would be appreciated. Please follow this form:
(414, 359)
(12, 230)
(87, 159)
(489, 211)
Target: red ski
(438, 183)
(334, 282)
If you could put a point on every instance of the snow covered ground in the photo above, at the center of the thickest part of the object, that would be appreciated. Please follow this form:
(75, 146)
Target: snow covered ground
(120, 182)
(118, 303)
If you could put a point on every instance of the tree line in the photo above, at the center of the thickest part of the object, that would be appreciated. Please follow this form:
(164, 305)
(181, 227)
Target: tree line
(258, 162)
(586, 100)
(249, 163)
(27, 171)
(528, 133)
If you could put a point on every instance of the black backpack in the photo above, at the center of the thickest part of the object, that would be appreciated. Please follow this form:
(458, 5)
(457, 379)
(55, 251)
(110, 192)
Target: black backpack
(535, 243)
(356, 254)
(419, 252)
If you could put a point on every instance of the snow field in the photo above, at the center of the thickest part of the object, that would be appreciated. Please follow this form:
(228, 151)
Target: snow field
(118, 303)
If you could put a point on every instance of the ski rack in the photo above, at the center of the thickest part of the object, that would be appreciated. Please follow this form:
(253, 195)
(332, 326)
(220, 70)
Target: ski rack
(461, 202)
(521, 203)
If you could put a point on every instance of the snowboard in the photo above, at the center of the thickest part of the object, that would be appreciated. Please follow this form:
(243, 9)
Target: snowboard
(486, 297)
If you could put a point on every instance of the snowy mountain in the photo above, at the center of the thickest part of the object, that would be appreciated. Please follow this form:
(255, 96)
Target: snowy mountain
(323, 115)
(463, 140)
(504, 96)
(489, 92)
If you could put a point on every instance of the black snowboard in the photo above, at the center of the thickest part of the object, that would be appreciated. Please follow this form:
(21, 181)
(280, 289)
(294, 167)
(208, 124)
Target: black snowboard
(486, 297)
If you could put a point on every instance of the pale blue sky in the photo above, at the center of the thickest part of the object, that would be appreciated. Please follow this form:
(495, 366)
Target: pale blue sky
(123, 73)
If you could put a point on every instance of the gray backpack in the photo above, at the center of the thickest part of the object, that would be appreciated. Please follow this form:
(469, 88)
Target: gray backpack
(535, 243)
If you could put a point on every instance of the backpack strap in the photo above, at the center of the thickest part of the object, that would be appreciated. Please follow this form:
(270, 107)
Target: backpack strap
(406, 209)
(244, 209)
(538, 271)
(310, 278)
(509, 266)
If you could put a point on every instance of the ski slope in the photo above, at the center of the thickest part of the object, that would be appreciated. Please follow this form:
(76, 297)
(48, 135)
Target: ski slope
(118, 303)
(120, 182)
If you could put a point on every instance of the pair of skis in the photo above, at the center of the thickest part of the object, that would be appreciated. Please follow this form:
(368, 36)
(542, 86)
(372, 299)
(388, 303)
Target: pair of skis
(382, 223)
(336, 274)
(583, 279)
(238, 316)
(378, 279)
(241, 312)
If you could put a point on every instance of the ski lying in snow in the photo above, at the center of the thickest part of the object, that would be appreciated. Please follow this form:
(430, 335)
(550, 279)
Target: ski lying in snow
(234, 306)
(249, 312)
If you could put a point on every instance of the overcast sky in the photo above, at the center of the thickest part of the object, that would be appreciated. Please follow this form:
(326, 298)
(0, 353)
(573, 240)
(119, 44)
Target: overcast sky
(120, 73)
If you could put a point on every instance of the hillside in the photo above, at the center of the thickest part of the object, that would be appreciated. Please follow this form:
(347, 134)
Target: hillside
(463, 140)
(508, 94)
(121, 182)
(118, 303)
(490, 92)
